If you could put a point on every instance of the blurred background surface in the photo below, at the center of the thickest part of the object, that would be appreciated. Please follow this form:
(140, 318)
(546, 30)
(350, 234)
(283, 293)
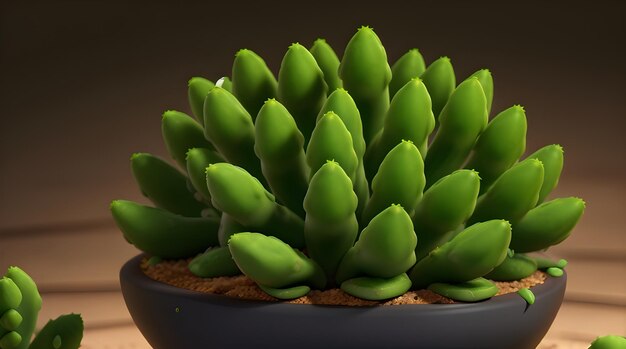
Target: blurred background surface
(83, 85)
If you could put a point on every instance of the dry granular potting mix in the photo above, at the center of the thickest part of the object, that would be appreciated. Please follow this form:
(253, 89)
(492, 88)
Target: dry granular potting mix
(176, 273)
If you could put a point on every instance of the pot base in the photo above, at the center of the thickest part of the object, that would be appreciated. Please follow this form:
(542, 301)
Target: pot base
(171, 317)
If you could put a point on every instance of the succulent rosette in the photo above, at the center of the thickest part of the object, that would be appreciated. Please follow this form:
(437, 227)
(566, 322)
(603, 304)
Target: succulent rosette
(350, 173)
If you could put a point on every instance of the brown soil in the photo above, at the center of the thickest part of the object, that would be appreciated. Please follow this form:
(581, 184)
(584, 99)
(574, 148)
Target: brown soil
(177, 274)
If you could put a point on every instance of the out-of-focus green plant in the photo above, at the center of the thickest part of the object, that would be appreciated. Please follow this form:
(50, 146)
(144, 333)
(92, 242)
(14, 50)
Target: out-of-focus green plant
(333, 175)
(20, 303)
(609, 342)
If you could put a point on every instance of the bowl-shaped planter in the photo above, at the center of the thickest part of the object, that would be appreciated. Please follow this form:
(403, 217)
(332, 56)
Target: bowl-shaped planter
(171, 317)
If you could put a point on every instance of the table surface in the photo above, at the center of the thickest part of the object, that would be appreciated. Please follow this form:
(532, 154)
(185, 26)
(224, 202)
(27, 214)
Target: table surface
(76, 267)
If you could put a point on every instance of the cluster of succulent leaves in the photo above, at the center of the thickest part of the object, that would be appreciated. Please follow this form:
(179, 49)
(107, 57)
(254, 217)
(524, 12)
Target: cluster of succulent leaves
(332, 176)
(20, 303)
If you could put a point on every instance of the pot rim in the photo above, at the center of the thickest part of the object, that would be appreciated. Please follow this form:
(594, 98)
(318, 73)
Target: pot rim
(131, 272)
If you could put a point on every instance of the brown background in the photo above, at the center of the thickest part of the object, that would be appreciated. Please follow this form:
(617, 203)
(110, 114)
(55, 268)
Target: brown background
(84, 84)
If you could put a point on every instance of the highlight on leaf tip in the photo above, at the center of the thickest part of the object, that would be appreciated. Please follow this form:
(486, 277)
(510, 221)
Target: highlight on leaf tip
(508, 223)
(168, 112)
(193, 80)
(189, 151)
(329, 115)
(582, 201)
(476, 173)
(134, 156)
(242, 51)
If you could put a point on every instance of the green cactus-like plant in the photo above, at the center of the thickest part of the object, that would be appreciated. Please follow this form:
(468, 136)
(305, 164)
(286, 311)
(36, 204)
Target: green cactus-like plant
(20, 303)
(609, 342)
(330, 175)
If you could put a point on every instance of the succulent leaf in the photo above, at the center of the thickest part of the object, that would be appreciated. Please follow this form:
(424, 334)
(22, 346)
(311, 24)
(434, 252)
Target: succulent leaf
(198, 159)
(214, 262)
(301, 87)
(164, 185)
(516, 267)
(471, 254)
(230, 128)
(512, 195)
(547, 224)
(499, 146)
(461, 121)
(198, 88)
(64, 332)
(228, 227)
(366, 75)
(328, 62)
(609, 342)
(331, 226)
(377, 289)
(10, 320)
(445, 206)
(385, 248)
(410, 65)
(486, 81)
(181, 133)
(409, 118)
(551, 156)
(12, 340)
(253, 82)
(279, 145)
(399, 180)
(440, 81)
(10, 295)
(164, 234)
(235, 192)
(469, 291)
(272, 263)
(342, 104)
(287, 292)
(545, 263)
(331, 140)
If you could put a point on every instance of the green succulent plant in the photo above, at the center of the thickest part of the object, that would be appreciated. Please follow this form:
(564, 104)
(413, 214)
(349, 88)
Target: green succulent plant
(20, 303)
(609, 342)
(332, 175)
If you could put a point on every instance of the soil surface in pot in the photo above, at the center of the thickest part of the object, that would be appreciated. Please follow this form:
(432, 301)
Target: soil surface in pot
(176, 273)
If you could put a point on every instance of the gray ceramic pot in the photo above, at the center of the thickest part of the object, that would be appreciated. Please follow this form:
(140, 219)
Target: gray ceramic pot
(174, 318)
